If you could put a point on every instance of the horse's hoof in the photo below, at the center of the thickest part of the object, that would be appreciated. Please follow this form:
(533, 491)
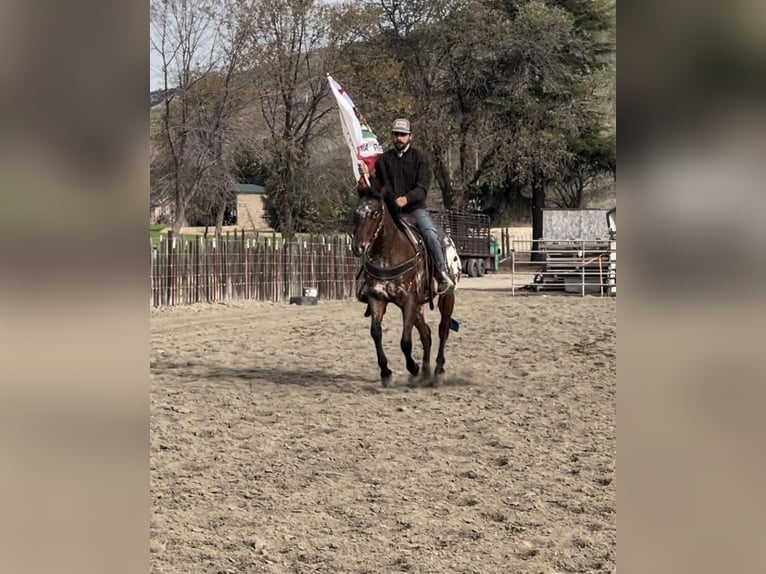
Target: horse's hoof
(386, 377)
(438, 379)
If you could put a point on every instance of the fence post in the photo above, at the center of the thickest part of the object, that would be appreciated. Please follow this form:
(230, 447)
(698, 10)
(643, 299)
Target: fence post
(169, 270)
(152, 274)
(513, 273)
(600, 275)
(196, 269)
(215, 269)
(275, 267)
(208, 269)
(287, 263)
(582, 267)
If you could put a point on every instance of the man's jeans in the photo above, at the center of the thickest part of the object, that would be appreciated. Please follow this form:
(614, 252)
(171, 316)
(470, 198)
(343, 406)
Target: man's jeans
(428, 229)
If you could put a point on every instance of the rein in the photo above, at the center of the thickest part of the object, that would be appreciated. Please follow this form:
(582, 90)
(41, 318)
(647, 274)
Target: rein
(388, 272)
(385, 272)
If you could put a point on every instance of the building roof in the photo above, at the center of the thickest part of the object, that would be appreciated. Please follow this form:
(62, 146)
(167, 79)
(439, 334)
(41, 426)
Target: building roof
(250, 188)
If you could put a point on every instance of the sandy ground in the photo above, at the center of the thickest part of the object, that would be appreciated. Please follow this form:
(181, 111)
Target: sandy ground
(274, 448)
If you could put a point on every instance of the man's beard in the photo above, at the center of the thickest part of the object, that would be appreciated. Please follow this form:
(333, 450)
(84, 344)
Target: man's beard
(400, 145)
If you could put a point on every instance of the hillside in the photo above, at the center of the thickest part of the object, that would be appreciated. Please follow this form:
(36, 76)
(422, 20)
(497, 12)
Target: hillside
(158, 96)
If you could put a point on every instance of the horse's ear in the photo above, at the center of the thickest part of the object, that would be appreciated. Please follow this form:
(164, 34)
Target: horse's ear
(364, 191)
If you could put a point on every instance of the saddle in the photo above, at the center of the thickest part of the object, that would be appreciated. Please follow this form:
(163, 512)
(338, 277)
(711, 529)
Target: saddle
(410, 228)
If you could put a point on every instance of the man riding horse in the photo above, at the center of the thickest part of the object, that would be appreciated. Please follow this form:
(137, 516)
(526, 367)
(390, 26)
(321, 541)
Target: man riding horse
(404, 173)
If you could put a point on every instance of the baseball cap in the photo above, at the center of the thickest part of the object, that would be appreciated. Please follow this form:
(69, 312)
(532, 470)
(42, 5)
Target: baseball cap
(401, 125)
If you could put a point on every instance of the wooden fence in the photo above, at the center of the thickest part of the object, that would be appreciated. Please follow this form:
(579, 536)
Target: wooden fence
(263, 268)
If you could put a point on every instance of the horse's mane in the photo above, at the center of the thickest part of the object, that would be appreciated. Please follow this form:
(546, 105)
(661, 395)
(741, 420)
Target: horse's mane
(386, 196)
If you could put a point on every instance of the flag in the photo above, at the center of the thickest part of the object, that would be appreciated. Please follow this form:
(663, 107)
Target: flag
(362, 142)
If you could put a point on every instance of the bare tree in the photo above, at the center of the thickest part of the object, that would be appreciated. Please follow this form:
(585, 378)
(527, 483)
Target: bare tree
(200, 48)
(220, 98)
(288, 44)
(180, 30)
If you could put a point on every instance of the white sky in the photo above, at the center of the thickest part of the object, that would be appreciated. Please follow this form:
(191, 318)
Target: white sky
(156, 81)
(155, 75)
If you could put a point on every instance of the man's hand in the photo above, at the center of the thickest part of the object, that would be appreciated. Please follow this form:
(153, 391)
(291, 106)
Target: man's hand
(401, 201)
(363, 169)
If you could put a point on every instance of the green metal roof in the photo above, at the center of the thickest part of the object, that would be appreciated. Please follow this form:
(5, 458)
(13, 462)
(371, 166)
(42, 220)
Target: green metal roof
(250, 188)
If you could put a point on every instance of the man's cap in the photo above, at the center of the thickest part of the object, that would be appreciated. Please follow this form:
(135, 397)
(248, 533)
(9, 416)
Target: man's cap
(401, 125)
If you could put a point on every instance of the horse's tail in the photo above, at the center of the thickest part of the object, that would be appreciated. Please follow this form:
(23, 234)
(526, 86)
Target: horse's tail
(454, 266)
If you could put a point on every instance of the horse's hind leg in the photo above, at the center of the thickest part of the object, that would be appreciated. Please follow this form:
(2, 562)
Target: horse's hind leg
(446, 306)
(409, 313)
(425, 338)
(378, 309)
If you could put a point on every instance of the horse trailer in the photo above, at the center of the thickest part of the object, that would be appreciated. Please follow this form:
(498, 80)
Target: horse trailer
(469, 231)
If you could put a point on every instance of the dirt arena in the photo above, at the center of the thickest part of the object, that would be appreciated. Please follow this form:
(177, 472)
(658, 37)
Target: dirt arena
(274, 448)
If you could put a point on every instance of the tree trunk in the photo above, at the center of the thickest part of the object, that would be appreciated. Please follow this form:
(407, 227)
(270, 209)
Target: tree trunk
(286, 204)
(220, 211)
(538, 203)
(179, 217)
(288, 225)
(441, 174)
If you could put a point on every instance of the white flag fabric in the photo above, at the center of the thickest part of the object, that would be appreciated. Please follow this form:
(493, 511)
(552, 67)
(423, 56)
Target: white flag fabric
(362, 142)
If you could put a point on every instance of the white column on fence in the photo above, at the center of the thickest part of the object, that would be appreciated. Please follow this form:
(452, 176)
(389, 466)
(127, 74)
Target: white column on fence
(513, 272)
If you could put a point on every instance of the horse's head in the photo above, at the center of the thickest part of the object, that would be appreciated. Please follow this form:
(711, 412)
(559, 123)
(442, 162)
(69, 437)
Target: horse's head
(368, 218)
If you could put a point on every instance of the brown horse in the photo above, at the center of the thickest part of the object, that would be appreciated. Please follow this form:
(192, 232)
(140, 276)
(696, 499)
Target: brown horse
(396, 268)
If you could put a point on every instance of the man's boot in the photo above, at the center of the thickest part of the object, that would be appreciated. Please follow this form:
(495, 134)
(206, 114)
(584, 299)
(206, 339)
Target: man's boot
(361, 292)
(445, 283)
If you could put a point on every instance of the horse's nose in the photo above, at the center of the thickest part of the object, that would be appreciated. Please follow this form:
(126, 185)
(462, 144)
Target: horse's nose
(357, 249)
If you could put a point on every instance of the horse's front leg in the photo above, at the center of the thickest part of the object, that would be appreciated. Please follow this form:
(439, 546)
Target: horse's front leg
(409, 314)
(378, 309)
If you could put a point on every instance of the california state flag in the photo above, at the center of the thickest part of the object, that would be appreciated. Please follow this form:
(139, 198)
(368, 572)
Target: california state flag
(362, 142)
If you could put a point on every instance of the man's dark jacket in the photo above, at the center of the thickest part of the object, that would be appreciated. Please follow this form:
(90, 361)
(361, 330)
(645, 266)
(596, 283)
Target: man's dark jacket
(409, 175)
